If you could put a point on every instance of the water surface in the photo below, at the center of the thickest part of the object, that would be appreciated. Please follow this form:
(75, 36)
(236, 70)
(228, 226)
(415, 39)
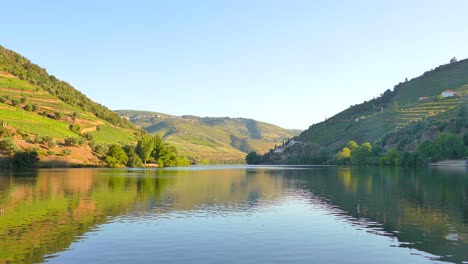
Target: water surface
(235, 214)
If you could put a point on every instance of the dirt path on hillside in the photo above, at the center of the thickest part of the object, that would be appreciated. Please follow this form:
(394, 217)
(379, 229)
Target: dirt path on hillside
(17, 90)
(6, 74)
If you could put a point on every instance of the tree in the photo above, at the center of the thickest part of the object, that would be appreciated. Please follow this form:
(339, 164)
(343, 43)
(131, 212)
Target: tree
(252, 158)
(116, 156)
(158, 147)
(145, 147)
(352, 145)
(426, 150)
(134, 160)
(26, 159)
(362, 154)
(391, 158)
(344, 154)
(453, 60)
(8, 145)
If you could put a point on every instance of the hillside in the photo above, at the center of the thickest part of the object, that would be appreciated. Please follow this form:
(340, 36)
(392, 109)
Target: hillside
(39, 111)
(401, 118)
(218, 139)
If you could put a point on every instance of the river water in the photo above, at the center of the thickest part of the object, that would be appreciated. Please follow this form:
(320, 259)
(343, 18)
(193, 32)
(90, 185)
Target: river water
(234, 214)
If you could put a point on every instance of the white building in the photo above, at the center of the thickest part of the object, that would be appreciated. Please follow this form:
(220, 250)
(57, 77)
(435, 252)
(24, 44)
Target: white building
(448, 93)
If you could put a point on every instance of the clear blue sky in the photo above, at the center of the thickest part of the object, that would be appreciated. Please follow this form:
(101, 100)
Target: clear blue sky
(291, 63)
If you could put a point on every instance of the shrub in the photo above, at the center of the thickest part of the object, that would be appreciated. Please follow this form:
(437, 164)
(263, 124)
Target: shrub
(65, 152)
(58, 115)
(48, 141)
(26, 159)
(8, 145)
(70, 141)
(28, 107)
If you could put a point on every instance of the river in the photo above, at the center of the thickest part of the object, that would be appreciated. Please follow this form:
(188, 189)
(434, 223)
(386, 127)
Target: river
(234, 214)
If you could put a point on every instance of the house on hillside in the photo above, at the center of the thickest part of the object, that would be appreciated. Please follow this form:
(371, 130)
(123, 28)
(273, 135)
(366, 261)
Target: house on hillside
(448, 93)
(278, 150)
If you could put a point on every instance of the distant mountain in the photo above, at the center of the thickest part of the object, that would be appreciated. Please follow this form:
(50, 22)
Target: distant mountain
(218, 139)
(39, 111)
(415, 110)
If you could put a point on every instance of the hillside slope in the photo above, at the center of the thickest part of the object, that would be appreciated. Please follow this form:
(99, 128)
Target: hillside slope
(39, 111)
(218, 139)
(401, 118)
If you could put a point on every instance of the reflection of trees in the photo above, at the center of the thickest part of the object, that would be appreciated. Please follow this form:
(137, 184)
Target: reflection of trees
(45, 213)
(427, 211)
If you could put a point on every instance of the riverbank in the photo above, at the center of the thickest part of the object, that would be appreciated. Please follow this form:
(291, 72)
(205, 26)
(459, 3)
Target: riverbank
(450, 163)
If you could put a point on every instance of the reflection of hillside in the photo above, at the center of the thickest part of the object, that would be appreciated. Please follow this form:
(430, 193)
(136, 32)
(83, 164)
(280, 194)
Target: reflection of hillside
(427, 212)
(224, 187)
(45, 213)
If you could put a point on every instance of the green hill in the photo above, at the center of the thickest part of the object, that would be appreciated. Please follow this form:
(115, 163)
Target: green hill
(412, 112)
(218, 139)
(36, 107)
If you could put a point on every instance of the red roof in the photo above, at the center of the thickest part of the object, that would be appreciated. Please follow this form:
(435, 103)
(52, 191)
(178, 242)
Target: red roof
(448, 91)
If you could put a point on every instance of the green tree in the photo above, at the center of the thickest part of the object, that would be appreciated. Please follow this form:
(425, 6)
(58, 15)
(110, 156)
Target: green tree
(252, 158)
(145, 147)
(465, 138)
(362, 154)
(426, 150)
(448, 146)
(116, 156)
(391, 158)
(25, 159)
(134, 160)
(8, 145)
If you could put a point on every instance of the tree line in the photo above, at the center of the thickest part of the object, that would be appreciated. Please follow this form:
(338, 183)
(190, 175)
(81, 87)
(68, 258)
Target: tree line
(444, 147)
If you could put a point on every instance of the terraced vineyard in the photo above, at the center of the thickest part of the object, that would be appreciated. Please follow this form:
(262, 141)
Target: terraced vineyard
(427, 109)
(32, 110)
(415, 100)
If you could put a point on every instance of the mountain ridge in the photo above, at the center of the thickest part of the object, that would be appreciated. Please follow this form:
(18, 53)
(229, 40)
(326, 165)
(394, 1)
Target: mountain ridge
(219, 139)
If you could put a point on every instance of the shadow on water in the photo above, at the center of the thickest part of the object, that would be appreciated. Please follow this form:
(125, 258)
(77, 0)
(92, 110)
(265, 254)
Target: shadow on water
(425, 209)
(43, 212)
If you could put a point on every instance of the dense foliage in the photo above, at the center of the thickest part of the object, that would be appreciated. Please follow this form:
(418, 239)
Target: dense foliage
(148, 148)
(444, 147)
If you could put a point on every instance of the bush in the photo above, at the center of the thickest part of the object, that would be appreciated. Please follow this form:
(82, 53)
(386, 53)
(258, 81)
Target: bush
(58, 115)
(98, 148)
(116, 156)
(88, 136)
(48, 141)
(26, 159)
(70, 141)
(8, 144)
(28, 108)
(65, 152)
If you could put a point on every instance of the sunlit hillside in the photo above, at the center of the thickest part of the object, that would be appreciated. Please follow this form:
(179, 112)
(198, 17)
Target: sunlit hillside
(218, 139)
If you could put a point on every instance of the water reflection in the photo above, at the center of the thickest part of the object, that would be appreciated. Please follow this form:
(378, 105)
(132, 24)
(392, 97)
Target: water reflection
(46, 212)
